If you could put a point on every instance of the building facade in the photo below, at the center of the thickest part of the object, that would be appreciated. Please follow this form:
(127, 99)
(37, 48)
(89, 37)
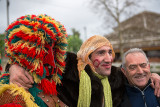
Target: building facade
(140, 31)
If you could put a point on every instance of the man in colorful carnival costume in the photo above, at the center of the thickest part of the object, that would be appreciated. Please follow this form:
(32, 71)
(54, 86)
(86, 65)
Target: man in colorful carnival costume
(83, 85)
(38, 44)
(136, 68)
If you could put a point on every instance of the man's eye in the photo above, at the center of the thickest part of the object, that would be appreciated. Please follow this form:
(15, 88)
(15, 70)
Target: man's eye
(143, 65)
(110, 52)
(101, 52)
(132, 67)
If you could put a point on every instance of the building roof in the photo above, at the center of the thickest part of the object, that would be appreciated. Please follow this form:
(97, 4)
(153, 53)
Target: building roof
(141, 30)
(145, 19)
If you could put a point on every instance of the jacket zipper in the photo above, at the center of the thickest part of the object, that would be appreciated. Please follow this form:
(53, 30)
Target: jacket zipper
(143, 93)
(144, 98)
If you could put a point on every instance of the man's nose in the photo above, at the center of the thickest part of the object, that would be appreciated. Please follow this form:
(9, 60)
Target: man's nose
(108, 57)
(139, 69)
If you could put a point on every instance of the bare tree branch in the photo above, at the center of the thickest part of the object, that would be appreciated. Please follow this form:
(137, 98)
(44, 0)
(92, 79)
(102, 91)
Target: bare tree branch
(114, 9)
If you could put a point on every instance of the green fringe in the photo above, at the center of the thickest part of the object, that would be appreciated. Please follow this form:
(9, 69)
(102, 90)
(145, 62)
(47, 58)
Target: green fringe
(16, 39)
(34, 91)
(4, 79)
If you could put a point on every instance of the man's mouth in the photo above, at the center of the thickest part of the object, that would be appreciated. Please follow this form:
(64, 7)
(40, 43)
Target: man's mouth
(107, 65)
(140, 77)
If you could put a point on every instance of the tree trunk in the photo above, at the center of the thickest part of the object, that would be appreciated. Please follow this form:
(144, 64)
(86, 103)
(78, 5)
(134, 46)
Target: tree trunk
(120, 41)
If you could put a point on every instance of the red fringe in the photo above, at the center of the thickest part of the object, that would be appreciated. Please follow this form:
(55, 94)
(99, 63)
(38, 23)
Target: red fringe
(3, 75)
(48, 31)
(59, 71)
(48, 87)
(33, 16)
(60, 51)
(22, 17)
(60, 63)
(25, 63)
(25, 22)
(26, 37)
(31, 52)
(47, 71)
(0, 68)
(41, 54)
(39, 71)
(11, 105)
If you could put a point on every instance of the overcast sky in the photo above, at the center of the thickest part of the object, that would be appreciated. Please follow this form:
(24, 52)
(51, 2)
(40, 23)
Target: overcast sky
(71, 13)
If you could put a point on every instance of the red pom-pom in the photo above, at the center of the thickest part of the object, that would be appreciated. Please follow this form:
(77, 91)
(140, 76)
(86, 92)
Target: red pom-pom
(48, 87)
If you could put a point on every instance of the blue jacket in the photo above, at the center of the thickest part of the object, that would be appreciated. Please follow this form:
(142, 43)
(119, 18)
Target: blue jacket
(134, 97)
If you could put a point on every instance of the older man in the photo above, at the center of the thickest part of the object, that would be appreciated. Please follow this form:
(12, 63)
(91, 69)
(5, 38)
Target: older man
(136, 68)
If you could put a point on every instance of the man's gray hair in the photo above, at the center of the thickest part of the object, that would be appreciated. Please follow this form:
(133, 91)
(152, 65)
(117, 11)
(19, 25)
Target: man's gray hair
(133, 50)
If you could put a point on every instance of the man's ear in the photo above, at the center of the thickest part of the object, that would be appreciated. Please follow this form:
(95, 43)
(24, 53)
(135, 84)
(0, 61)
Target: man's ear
(124, 71)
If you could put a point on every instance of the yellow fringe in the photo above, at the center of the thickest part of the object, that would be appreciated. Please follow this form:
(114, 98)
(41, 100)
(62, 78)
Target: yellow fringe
(36, 78)
(15, 90)
(56, 79)
(26, 31)
(2, 81)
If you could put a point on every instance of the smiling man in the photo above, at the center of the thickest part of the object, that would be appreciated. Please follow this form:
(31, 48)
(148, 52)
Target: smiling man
(136, 68)
(102, 60)
(97, 52)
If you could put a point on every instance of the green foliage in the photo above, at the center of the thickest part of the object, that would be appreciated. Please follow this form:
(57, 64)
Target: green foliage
(75, 32)
(2, 44)
(74, 43)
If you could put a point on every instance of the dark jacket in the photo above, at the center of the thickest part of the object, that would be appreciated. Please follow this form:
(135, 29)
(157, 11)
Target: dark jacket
(69, 90)
(134, 97)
